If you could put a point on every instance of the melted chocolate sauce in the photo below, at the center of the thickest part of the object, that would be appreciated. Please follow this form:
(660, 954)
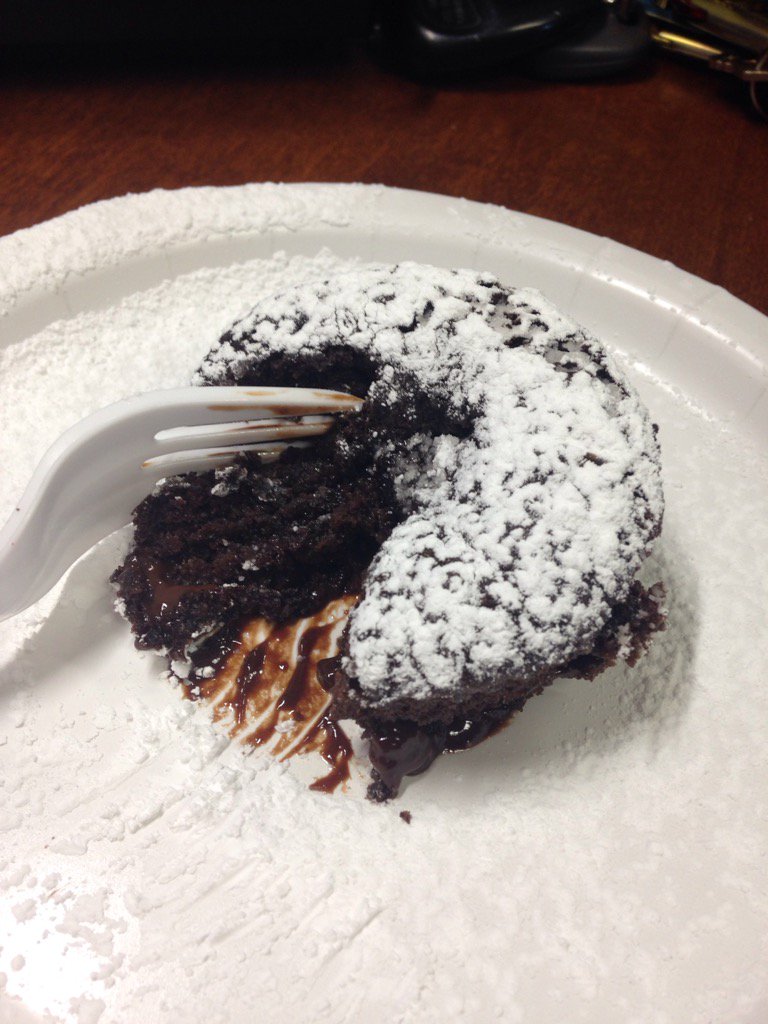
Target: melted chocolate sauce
(465, 733)
(401, 748)
(336, 750)
(268, 681)
(248, 679)
(305, 674)
(327, 669)
(215, 651)
(253, 677)
(258, 686)
(166, 596)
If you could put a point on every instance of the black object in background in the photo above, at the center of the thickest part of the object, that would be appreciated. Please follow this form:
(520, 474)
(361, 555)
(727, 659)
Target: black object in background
(613, 39)
(431, 39)
(436, 38)
(122, 30)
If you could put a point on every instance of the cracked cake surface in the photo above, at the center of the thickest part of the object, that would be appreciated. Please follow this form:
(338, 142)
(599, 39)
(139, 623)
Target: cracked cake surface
(492, 502)
(521, 533)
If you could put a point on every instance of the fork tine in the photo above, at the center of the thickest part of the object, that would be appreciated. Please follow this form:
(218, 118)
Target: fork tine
(217, 404)
(247, 432)
(203, 406)
(198, 460)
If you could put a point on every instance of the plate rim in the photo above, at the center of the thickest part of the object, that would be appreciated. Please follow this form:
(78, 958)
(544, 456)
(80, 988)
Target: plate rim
(78, 230)
(61, 267)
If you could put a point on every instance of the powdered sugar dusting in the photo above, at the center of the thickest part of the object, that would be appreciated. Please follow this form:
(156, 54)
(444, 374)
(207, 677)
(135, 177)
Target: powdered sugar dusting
(520, 537)
(603, 859)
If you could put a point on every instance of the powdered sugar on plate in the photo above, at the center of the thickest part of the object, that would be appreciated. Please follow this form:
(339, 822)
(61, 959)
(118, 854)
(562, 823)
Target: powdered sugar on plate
(601, 859)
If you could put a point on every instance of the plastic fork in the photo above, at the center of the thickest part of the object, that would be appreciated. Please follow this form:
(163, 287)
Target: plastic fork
(94, 475)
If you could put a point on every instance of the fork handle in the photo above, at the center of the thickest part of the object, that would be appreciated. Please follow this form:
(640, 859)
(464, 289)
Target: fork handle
(91, 478)
(77, 495)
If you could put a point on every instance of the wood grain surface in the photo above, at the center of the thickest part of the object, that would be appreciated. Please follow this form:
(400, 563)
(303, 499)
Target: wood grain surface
(671, 162)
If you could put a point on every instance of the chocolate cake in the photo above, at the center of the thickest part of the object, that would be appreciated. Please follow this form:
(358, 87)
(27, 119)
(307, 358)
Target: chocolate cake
(491, 504)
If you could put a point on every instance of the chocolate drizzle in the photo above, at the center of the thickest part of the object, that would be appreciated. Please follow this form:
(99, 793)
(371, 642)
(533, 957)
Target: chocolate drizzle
(305, 674)
(249, 678)
(336, 751)
(264, 681)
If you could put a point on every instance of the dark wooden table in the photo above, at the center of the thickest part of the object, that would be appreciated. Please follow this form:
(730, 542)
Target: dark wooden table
(671, 162)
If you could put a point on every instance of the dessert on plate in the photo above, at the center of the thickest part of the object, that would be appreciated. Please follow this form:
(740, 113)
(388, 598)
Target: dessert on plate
(473, 533)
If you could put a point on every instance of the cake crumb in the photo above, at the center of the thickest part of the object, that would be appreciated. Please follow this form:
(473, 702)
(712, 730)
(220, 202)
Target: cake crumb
(406, 816)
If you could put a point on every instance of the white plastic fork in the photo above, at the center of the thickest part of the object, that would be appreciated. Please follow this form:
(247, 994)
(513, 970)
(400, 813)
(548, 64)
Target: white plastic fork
(94, 475)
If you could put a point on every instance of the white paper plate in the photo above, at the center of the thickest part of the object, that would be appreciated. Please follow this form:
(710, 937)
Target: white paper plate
(603, 859)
